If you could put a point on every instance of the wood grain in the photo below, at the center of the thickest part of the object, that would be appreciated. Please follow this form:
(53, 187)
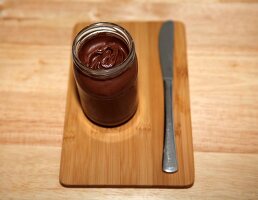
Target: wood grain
(36, 177)
(131, 154)
(222, 44)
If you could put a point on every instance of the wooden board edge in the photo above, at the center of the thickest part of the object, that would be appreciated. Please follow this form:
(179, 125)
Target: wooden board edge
(180, 38)
(68, 93)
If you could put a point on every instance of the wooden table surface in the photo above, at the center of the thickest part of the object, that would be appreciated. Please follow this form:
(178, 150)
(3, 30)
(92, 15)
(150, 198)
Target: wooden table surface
(35, 48)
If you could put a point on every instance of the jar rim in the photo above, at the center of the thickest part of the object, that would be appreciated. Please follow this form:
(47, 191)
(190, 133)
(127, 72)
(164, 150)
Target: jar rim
(93, 30)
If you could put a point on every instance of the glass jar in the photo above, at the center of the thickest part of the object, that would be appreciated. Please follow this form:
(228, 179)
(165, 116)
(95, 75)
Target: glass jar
(108, 96)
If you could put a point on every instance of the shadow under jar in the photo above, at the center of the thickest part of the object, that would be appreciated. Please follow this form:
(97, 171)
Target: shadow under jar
(106, 71)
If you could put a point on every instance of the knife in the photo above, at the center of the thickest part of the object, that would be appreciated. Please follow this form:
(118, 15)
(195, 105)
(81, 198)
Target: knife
(166, 43)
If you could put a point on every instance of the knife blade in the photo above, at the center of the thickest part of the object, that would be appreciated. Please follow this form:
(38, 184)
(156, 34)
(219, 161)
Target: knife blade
(166, 43)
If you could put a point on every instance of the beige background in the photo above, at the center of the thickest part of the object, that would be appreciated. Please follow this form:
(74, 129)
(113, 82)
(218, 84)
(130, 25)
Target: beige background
(35, 45)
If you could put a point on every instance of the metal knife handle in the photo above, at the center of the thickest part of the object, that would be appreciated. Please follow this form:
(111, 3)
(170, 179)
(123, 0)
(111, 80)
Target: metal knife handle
(169, 152)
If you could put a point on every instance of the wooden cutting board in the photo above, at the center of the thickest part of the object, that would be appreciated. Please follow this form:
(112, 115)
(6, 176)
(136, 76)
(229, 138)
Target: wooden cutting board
(131, 155)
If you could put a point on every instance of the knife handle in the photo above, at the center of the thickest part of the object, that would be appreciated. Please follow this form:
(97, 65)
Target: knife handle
(169, 151)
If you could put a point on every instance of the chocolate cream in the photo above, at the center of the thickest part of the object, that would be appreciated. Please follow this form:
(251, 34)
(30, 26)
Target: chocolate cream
(103, 52)
(113, 100)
